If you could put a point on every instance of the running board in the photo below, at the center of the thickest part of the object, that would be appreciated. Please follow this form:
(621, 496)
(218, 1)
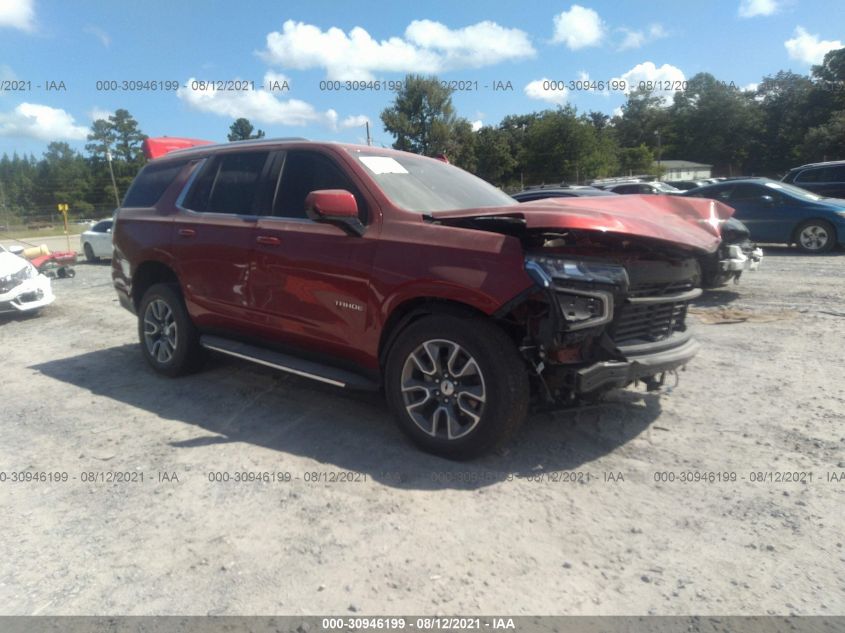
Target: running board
(290, 364)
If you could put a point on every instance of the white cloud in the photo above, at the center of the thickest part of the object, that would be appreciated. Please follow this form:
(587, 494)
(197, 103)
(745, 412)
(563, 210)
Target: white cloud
(808, 48)
(18, 14)
(648, 72)
(636, 39)
(541, 89)
(359, 120)
(95, 114)
(427, 47)
(618, 111)
(578, 28)
(477, 125)
(752, 87)
(35, 121)
(100, 34)
(260, 106)
(753, 8)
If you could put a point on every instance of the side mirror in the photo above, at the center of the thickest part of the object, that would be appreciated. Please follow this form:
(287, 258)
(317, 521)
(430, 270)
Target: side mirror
(334, 206)
(768, 201)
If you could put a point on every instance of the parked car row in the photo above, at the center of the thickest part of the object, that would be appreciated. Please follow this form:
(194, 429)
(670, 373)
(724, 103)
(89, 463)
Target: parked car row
(806, 208)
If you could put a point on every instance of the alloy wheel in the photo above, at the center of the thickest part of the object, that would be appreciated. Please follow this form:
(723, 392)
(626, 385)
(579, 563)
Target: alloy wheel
(160, 331)
(443, 389)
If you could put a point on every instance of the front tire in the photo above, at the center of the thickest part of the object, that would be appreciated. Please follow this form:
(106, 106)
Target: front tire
(815, 236)
(89, 253)
(169, 340)
(458, 387)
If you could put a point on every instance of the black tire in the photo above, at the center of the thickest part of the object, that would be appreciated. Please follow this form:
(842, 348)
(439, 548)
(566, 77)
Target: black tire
(815, 236)
(501, 378)
(89, 253)
(176, 333)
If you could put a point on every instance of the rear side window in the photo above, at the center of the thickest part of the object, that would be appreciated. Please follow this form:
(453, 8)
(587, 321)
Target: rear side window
(151, 183)
(822, 174)
(228, 184)
(304, 172)
(809, 175)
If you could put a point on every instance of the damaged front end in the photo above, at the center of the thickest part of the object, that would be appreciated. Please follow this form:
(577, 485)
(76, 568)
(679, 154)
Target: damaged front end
(613, 279)
(22, 288)
(736, 254)
(604, 313)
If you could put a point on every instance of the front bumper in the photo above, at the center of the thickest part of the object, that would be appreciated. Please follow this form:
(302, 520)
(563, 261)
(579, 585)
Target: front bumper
(642, 362)
(741, 259)
(31, 294)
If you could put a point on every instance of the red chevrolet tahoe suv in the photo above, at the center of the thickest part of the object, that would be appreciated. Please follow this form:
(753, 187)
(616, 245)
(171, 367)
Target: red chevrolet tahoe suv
(377, 269)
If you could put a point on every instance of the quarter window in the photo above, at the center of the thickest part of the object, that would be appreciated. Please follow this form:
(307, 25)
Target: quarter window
(151, 183)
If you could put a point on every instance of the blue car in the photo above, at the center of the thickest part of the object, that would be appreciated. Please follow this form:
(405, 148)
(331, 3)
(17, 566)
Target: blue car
(778, 212)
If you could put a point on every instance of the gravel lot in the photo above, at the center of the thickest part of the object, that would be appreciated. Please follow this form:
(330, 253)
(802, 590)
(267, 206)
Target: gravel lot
(407, 533)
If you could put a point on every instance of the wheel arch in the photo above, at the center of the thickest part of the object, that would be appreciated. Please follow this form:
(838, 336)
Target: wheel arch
(147, 274)
(414, 309)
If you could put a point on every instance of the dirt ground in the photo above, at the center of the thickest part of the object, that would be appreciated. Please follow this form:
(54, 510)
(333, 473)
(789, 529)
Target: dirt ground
(352, 519)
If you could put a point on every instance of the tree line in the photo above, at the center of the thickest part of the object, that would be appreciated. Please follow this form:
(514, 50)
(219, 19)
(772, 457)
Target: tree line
(787, 120)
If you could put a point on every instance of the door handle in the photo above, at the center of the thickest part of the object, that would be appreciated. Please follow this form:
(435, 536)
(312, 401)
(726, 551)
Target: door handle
(187, 232)
(268, 240)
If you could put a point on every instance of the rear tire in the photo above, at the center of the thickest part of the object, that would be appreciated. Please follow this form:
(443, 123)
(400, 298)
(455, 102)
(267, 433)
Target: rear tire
(815, 236)
(169, 340)
(457, 386)
(89, 253)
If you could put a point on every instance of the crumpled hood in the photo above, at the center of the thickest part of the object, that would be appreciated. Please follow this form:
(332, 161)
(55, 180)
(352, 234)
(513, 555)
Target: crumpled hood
(686, 222)
(11, 264)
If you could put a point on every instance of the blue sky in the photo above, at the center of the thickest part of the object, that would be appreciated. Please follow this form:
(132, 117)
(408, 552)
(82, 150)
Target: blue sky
(304, 43)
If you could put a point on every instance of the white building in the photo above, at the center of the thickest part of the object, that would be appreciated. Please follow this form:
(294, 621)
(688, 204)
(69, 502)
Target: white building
(684, 170)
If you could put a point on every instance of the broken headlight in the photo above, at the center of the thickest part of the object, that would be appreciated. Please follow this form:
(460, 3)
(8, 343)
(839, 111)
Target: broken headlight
(16, 279)
(544, 268)
(582, 289)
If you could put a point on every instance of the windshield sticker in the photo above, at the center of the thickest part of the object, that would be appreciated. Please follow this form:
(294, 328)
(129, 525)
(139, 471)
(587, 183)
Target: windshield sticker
(382, 165)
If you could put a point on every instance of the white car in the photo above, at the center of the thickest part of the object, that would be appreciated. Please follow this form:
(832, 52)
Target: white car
(22, 288)
(96, 241)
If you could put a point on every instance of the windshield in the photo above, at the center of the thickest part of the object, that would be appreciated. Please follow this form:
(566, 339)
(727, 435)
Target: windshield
(664, 187)
(425, 185)
(792, 190)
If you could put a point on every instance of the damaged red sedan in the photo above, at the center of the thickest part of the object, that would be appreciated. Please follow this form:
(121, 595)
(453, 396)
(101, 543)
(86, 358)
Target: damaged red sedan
(376, 269)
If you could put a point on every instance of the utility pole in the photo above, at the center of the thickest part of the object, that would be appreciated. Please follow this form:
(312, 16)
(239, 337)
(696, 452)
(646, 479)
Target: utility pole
(113, 182)
(369, 139)
(659, 175)
(3, 208)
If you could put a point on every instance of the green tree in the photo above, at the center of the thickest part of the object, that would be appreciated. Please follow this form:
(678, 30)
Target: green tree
(636, 160)
(827, 141)
(643, 114)
(242, 130)
(495, 160)
(100, 139)
(127, 137)
(561, 146)
(713, 123)
(422, 117)
(460, 146)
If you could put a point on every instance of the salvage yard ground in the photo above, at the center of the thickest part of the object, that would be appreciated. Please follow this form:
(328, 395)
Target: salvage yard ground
(351, 518)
